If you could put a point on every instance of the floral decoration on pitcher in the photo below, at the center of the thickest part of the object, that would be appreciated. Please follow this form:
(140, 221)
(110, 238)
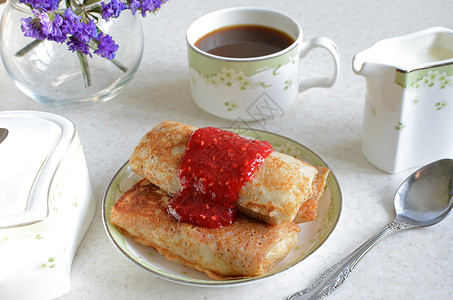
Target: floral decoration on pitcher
(439, 77)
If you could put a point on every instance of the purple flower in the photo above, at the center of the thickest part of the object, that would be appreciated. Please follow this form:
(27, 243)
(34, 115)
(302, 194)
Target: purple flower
(44, 5)
(145, 6)
(80, 31)
(112, 9)
(106, 47)
(86, 32)
(32, 28)
(71, 22)
(75, 44)
(80, 39)
(52, 29)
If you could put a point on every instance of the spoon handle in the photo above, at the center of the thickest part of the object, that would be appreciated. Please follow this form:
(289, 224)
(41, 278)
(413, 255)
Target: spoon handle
(333, 277)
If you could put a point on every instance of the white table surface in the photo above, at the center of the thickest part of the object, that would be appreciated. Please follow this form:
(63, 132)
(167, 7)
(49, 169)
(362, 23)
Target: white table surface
(414, 264)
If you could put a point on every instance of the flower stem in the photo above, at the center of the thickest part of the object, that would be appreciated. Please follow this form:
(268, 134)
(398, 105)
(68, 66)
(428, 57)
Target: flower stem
(28, 48)
(90, 5)
(119, 65)
(85, 68)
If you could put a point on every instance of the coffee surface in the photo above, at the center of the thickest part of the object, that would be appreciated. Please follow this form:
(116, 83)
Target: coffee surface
(244, 41)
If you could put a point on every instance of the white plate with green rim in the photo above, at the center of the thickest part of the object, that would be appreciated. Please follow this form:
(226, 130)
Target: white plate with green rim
(311, 237)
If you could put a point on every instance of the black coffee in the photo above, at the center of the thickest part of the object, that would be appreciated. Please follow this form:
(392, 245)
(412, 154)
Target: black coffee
(244, 41)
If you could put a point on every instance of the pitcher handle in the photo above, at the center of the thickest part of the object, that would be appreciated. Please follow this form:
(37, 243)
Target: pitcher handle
(325, 82)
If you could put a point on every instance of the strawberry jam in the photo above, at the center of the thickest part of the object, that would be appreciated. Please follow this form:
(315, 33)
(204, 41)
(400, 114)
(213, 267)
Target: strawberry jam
(215, 166)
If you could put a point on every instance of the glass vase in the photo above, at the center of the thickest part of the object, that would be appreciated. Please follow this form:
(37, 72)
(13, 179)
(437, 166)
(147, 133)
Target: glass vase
(49, 73)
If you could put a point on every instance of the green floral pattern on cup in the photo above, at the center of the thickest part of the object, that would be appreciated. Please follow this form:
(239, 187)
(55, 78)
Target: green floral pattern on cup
(399, 126)
(48, 264)
(229, 78)
(440, 105)
(231, 105)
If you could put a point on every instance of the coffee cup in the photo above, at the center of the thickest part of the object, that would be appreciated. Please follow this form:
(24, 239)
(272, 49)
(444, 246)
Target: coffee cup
(250, 84)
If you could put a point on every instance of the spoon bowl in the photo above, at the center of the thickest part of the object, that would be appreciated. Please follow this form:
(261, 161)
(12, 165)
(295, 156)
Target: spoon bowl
(3, 134)
(426, 197)
(423, 199)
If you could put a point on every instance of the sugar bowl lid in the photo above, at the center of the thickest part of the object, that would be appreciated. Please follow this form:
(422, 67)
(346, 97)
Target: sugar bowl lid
(32, 145)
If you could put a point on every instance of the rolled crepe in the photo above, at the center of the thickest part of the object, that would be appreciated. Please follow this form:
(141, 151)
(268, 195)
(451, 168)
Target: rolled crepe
(246, 248)
(275, 194)
(309, 210)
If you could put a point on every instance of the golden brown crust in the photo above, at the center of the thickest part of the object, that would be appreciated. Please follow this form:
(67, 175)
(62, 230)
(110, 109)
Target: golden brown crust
(278, 189)
(308, 210)
(158, 154)
(274, 195)
(245, 248)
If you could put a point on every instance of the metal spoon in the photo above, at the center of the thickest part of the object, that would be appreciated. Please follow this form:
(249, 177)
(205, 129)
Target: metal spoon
(3, 134)
(423, 199)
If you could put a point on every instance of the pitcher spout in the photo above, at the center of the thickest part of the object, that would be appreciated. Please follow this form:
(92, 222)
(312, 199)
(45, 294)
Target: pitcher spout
(362, 65)
(428, 48)
(358, 64)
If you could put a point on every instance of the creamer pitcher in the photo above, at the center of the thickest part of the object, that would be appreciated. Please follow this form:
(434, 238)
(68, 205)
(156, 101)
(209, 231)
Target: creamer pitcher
(408, 116)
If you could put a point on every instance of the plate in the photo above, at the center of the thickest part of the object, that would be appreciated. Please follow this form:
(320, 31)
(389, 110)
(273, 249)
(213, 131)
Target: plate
(311, 237)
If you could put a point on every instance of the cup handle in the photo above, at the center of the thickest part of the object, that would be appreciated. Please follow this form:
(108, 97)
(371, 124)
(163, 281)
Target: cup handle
(325, 82)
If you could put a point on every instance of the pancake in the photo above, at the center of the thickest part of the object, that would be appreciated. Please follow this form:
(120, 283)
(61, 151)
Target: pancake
(244, 249)
(309, 210)
(275, 194)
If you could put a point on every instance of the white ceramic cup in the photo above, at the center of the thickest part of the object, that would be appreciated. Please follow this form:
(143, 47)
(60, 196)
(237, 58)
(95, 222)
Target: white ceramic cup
(251, 89)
